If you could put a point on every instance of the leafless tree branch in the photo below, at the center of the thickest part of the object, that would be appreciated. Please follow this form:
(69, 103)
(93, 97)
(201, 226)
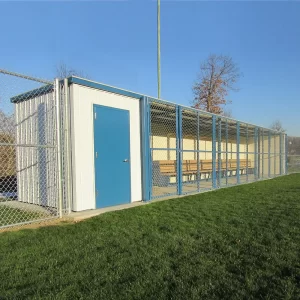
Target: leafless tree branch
(218, 75)
(276, 125)
(64, 71)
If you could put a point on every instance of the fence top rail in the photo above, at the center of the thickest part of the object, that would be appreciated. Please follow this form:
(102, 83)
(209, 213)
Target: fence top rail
(25, 76)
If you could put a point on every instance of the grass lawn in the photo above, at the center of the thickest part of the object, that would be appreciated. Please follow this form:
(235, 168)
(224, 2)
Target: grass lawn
(237, 243)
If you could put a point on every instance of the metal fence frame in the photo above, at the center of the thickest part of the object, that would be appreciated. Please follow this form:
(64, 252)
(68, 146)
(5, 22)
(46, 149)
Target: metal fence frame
(266, 155)
(59, 168)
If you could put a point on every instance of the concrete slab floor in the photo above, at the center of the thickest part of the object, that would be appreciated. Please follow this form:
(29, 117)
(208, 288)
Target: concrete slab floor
(82, 215)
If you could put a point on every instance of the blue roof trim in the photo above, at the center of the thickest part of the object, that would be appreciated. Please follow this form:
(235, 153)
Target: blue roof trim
(104, 87)
(33, 93)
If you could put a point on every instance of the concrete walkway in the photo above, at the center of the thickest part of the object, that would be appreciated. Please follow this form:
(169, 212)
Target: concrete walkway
(82, 215)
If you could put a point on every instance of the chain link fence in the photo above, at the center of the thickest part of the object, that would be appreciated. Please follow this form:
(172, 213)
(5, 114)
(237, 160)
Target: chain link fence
(194, 151)
(29, 178)
(293, 159)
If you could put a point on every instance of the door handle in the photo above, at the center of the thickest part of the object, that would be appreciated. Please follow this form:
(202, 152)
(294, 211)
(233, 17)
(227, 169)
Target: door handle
(126, 160)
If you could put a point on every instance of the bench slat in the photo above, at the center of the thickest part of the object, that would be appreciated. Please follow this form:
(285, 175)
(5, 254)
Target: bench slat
(189, 167)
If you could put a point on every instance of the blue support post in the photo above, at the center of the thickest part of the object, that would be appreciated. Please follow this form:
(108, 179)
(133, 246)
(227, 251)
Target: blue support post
(238, 152)
(247, 152)
(269, 154)
(219, 151)
(179, 148)
(146, 151)
(214, 173)
(280, 152)
(255, 152)
(286, 154)
(198, 153)
(226, 133)
(274, 154)
(262, 153)
(258, 153)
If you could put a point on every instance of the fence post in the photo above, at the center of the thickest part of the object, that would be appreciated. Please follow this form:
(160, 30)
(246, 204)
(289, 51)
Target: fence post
(67, 152)
(274, 153)
(219, 151)
(280, 152)
(214, 173)
(286, 154)
(238, 151)
(198, 153)
(255, 152)
(258, 153)
(146, 152)
(59, 149)
(262, 138)
(226, 133)
(247, 152)
(179, 148)
(269, 154)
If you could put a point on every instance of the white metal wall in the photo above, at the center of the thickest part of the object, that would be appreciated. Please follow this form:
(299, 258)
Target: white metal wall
(81, 100)
(36, 160)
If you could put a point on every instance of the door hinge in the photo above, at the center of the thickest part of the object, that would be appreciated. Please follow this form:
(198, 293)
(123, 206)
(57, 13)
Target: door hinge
(95, 115)
(96, 154)
(96, 193)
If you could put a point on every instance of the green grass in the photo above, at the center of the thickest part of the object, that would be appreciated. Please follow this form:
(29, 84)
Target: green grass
(237, 243)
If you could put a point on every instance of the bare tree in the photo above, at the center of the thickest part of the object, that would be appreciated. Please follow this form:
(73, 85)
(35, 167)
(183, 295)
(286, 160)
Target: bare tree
(218, 75)
(64, 71)
(276, 125)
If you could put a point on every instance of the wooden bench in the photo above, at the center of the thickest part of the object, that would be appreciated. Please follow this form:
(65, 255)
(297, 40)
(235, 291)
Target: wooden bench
(164, 169)
(189, 167)
(244, 165)
(167, 167)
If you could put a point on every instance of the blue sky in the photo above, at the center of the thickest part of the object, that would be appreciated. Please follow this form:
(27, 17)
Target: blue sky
(115, 43)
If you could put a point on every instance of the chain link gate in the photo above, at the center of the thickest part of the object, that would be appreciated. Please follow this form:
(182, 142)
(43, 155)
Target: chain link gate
(30, 175)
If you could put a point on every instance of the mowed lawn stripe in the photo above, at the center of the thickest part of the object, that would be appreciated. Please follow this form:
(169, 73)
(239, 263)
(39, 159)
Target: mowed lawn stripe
(236, 243)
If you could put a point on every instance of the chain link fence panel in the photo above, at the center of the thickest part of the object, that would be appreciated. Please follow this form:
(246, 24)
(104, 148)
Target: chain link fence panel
(28, 150)
(293, 158)
(194, 151)
(293, 164)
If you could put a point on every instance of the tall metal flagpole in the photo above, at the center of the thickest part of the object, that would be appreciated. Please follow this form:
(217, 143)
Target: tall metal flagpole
(158, 49)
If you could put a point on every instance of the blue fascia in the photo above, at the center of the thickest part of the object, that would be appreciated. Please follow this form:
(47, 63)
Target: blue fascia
(146, 151)
(104, 87)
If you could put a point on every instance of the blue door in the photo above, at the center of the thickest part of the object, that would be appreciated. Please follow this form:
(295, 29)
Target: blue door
(112, 156)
